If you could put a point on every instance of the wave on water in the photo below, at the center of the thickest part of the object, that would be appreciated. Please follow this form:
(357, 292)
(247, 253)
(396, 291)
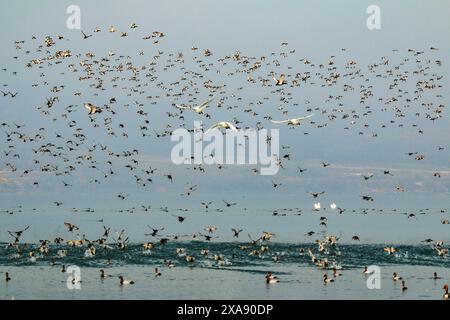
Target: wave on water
(225, 255)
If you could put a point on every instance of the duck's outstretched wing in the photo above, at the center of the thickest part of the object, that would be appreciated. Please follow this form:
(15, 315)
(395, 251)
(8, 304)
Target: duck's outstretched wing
(12, 233)
(88, 106)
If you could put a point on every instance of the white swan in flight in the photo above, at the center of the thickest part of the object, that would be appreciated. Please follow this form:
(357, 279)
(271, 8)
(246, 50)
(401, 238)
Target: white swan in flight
(293, 121)
(199, 108)
(222, 125)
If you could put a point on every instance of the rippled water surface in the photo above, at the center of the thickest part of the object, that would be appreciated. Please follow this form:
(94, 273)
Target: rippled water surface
(239, 276)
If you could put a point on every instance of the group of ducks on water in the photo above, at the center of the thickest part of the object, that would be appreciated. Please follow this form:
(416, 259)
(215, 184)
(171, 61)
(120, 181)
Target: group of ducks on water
(271, 279)
(326, 247)
(390, 250)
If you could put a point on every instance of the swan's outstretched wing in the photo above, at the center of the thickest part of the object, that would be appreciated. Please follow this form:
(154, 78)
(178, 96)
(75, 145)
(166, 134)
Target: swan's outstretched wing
(232, 127)
(303, 118)
(293, 119)
(204, 104)
(278, 122)
(200, 109)
(213, 127)
(223, 124)
(182, 107)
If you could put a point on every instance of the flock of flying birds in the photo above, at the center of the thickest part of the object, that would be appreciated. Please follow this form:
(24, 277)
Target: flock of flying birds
(81, 118)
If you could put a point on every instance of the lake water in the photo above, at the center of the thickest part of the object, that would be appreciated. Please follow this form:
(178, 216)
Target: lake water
(240, 277)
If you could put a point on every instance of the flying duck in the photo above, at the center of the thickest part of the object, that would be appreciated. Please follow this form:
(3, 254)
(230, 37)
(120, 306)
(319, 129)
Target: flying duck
(92, 109)
(281, 80)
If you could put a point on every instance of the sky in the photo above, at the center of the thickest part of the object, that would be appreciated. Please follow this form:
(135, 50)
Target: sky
(316, 30)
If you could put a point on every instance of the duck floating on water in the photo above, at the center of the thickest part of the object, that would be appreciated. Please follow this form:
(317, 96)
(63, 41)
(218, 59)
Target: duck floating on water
(123, 281)
(271, 278)
(326, 279)
(404, 287)
(395, 277)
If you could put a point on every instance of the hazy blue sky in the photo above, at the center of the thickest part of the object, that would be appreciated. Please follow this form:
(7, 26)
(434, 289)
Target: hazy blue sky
(316, 30)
